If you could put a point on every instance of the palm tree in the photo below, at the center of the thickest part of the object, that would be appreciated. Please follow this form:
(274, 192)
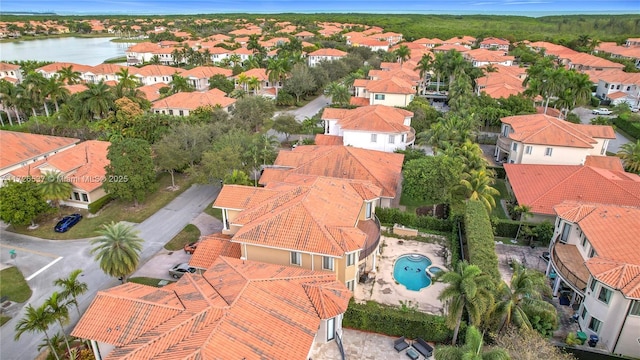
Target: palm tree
(32, 90)
(469, 291)
(128, 80)
(55, 91)
(470, 153)
(525, 289)
(243, 80)
(254, 84)
(68, 76)
(339, 93)
(439, 67)
(8, 99)
(96, 101)
(471, 350)
(72, 288)
(36, 320)
(630, 155)
(276, 69)
(179, 84)
(524, 211)
(117, 250)
(454, 64)
(402, 53)
(235, 59)
(54, 188)
(424, 66)
(60, 313)
(477, 186)
(176, 56)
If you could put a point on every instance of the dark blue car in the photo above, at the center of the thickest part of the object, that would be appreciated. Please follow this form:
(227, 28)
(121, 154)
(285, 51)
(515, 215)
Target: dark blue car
(67, 222)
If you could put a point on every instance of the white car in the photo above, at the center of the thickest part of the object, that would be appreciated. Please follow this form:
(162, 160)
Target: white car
(635, 109)
(601, 111)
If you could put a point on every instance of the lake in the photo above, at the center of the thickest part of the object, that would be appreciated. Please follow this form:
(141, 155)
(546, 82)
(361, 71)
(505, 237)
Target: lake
(86, 51)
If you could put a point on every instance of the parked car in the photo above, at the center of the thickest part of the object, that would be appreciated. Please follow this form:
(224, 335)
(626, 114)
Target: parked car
(191, 247)
(601, 111)
(180, 269)
(635, 109)
(67, 222)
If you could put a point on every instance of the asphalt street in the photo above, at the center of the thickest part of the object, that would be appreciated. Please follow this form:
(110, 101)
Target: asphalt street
(43, 261)
(586, 116)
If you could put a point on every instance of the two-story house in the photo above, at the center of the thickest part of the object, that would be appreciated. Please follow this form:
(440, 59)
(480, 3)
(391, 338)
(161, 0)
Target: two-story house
(543, 139)
(619, 86)
(483, 57)
(320, 55)
(375, 127)
(103, 72)
(51, 70)
(10, 72)
(183, 103)
(595, 258)
(199, 76)
(316, 223)
(154, 74)
(237, 309)
(492, 43)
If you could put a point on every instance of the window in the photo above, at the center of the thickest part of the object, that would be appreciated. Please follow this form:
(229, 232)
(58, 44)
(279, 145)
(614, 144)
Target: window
(76, 196)
(350, 285)
(592, 253)
(85, 198)
(367, 210)
(584, 242)
(378, 97)
(505, 131)
(402, 138)
(528, 149)
(181, 112)
(635, 308)
(170, 112)
(514, 147)
(351, 259)
(593, 283)
(392, 139)
(327, 263)
(594, 324)
(605, 295)
(584, 313)
(296, 258)
(548, 151)
(565, 232)
(331, 329)
(374, 138)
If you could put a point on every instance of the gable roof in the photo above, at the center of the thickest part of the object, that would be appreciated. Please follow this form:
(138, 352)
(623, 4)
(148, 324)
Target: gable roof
(380, 168)
(210, 247)
(613, 163)
(18, 147)
(205, 72)
(328, 52)
(322, 139)
(193, 100)
(547, 130)
(393, 85)
(236, 309)
(543, 186)
(377, 118)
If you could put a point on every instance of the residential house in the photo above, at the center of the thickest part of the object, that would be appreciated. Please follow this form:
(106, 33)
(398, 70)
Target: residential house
(243, 53)
(264, 88)
(541, 187)
(10, 72)
(618, 86)
(82, 165)
(316, 223)
(218, 54)
(483, 57)
(428, 43)
(626, 52)
(374, 127)
(448, 47)
(154, 74)
(573, 59)
(632, 42)
(237, 309)
(304, 35)
(382, 169)
(492, 43)
(141, 52)
(210, 248)
(392, 91)
(595, 258)
(465, 41)
(51, 70)
(543, 139)
(183, 103)
(103, 72)
(502, 83)
(320, 55)
(199, 76)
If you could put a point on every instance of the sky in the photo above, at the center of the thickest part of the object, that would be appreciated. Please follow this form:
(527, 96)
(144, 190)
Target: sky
(455, 7)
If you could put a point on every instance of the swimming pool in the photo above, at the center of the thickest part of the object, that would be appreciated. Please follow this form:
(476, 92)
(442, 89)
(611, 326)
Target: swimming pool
(410, 271)
(434, 270)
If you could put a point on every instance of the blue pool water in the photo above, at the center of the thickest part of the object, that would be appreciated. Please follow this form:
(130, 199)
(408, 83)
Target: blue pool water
(410, 271)
(434, 270)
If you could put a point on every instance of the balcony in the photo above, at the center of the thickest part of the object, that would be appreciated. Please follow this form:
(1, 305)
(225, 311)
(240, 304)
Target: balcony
(372, 229)
(569, 264)
(504, 143)
(411, 137)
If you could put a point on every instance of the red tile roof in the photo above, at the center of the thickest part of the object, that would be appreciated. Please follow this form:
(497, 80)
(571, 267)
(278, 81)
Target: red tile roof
(613, 163)
(205, 72)
(328, 52)
(322, 139)
(375, 118)
(210, 247)
(235, 310)
(18, 147)
(194, 100)
(392, 85)
(543, 186)
(381, 168)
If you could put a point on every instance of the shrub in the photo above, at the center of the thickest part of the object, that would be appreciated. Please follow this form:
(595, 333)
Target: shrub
(632, 128)
(506, 228)
(390, 216)
(479, 235)
(394, 321)
(499, 171)
(95, 206)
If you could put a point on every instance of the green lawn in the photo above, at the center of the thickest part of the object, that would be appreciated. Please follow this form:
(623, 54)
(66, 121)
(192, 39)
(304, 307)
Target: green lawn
(147, 281)
(216, 213)
(4, 319)
(114, 211)
(189, 234)
(13, 285)
(498, 211)
(410, 203)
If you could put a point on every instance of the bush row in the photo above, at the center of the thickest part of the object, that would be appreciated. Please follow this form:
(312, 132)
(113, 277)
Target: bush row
(499, 170)
(393, 321)
(632, 128)
(506, 228)
(390, 216)
(480, 242)
(95, 206)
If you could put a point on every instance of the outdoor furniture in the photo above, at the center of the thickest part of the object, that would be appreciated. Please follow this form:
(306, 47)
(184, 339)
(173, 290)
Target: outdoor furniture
(412, 354)
(400, 344)
(422, 347)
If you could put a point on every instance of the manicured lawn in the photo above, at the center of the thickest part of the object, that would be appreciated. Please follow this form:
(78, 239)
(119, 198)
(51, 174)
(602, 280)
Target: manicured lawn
(498, 211)
(216, 213)
(13, 285)
(114, 211)
(4, 319)
(146, 281)
(189, 234)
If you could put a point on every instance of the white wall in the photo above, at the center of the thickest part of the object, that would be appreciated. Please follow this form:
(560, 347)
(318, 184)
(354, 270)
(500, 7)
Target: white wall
(362, 139)
(559, 156)
(391, 99)
(612, 315)
(629, 343)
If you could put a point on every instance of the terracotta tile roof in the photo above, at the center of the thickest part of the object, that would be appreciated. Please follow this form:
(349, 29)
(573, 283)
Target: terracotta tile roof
(260, 73)
(485, 55)
(375, 118)
(593, 61)
(75, 88)
(241, 197)
(143, 47)
(392, 85)
(494, 41)
(613, 48)
(193, 100)
(404, 72)
(322, 139)
(210, 247)
(156, 70)
(447, 47)
(105, 69)
(18, 147)
(460, 40)
(205, 72)
(8, 67)
(324, 209)
(328, 52)
(358, 101)
(152, 92)
(236, 309)
(498, 91)
(381, 168)
(543, 186)
(57, 66)
(605, 162)
(546, 130)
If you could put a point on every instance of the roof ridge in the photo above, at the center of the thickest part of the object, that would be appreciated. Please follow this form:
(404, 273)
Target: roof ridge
(129, 298)
(558, 184)
(614, 182)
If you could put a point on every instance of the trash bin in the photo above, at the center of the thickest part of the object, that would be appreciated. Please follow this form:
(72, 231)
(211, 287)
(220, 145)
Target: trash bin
(593, 340)
(582, 337)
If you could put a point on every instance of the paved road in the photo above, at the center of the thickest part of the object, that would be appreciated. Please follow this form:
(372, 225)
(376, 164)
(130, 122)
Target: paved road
(586, 116)
(310, 109)
(42, 261)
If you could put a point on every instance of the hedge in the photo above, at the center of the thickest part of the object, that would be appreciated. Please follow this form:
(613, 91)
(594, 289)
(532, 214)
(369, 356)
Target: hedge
(507, 228)
(632, 128)
(499, 170)
(95, 206)
(480, 243)
(393, 321)
(390, 216)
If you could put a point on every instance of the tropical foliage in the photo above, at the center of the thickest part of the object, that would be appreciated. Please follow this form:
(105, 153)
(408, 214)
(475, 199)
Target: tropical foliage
(117, 250)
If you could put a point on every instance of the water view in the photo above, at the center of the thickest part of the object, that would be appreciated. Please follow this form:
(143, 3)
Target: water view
(86, 51)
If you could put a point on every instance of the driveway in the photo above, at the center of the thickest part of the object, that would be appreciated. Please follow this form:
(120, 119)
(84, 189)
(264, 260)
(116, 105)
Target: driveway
(43, 261)
(586, 116)
(310, 109)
